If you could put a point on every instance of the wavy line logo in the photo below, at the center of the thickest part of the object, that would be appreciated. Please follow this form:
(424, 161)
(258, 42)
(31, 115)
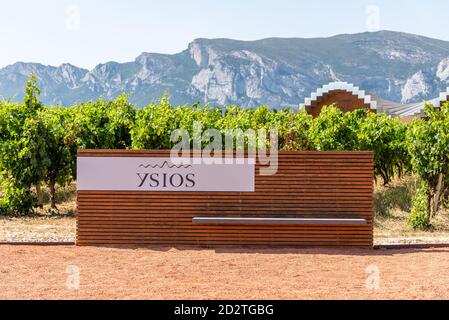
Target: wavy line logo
(165, 164)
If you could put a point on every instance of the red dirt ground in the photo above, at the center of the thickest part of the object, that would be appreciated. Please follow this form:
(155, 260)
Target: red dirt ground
(39, 272)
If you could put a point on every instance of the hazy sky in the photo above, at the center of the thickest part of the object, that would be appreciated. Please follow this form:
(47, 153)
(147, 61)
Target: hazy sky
(88, 32)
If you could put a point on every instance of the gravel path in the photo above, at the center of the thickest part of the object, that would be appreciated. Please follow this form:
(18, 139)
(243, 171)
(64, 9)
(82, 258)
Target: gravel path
(42, 229)
(51, 272)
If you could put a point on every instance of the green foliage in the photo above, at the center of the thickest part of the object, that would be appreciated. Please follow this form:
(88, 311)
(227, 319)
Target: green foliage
(362, 130)
(335, 130)
(420, 217)
(61, 147)
(387, 138)
(428, 143)
(17, 200)
(104, 124)
(32, 93)
(155, 123)
(39, 145)
(23, 154)
(294, 135)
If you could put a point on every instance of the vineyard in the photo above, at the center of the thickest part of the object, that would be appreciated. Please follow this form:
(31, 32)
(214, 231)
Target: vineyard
(39, 143)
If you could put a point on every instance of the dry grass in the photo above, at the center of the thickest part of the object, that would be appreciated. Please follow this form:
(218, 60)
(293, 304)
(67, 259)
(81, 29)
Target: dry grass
(46, 225)
(392, 207)
(66, 199)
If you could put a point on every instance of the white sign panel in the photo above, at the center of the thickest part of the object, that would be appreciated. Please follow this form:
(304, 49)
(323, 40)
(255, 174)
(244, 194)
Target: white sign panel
(161, 174)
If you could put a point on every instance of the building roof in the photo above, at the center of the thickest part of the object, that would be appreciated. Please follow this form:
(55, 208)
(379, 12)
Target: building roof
(345, 86)
(444, 96)
(395, 109)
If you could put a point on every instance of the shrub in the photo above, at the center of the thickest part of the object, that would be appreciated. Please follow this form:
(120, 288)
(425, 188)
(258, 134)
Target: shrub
(387, 138)
(420, 217)
(428, 143)
(296, 138)
(38, 145)
(335, 130)
(61, 148)
(23, 151)
(104, 124)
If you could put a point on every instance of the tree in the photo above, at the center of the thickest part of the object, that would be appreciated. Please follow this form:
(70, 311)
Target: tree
(61, 148)
(335, 130)
(104, 124)
(428, 143)
(387, 138)
(23, 153)
(362, 130)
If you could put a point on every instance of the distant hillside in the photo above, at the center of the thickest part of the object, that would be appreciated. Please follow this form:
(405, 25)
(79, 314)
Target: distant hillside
(278, 72)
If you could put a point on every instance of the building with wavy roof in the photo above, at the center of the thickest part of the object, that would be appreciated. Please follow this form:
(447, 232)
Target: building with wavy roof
(349, 97)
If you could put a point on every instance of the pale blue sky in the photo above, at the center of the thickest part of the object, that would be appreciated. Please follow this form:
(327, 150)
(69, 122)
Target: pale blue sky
(48, 31)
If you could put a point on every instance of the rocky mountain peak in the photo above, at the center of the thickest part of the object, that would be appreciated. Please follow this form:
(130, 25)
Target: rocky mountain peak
(443, 70)
(275, 71)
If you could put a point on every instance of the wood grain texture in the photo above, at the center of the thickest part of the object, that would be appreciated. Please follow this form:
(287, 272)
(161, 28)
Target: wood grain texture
(314, 185)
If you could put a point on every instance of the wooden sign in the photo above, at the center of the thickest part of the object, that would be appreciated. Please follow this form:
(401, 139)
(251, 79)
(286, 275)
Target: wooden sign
(162, 175)
(313, 199)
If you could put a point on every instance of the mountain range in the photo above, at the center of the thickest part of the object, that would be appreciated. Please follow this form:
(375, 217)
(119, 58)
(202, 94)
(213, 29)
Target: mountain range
(279, 72)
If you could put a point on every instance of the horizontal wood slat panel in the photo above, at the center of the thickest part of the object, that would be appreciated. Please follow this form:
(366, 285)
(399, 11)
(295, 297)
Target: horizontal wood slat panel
(226, 244)
(217, 230)
(327, 185)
